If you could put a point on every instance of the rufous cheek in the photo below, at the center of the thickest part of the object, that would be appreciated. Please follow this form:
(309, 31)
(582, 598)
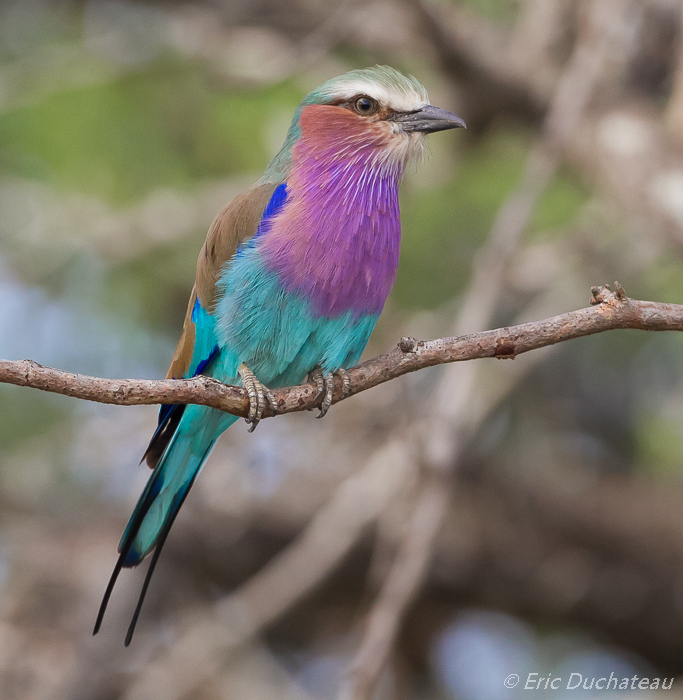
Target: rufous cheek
(324, 124)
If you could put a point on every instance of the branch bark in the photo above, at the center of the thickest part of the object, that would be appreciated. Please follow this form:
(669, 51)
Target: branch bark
(610, 310)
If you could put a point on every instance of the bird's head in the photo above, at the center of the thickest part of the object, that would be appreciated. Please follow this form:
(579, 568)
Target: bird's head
(377, 113)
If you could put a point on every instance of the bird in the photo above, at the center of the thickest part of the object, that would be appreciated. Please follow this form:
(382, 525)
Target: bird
(291, 279)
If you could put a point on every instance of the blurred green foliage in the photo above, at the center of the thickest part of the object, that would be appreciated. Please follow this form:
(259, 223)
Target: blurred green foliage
(501, 10)
(660, 445)
(28, 412)
(153, 289)
(166, 126)
(561, 202)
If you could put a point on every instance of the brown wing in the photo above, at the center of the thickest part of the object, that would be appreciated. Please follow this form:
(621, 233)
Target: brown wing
(235, 223)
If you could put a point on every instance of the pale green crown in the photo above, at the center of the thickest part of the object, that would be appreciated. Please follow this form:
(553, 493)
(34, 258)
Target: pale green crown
(388, 86)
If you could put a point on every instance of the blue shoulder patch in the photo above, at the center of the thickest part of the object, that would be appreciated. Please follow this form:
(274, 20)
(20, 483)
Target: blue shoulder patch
(275, 203)
(273, 208)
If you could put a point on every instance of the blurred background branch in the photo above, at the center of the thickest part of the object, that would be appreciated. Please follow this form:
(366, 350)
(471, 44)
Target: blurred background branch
(433, 535)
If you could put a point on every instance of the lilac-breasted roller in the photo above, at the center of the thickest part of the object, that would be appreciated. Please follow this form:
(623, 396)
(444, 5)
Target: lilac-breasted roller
(291, 279)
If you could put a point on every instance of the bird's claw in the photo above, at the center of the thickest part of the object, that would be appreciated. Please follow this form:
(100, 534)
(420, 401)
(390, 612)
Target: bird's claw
(346, 381)
(325, 384)
(258, 394)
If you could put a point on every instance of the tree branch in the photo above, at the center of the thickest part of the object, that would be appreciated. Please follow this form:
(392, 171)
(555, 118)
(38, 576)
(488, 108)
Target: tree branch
(609, 311)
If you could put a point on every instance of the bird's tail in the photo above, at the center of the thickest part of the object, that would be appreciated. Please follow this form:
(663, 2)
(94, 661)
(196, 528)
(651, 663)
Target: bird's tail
(159, 504)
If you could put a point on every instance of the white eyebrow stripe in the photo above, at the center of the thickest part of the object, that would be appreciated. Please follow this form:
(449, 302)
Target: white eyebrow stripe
(399, 99)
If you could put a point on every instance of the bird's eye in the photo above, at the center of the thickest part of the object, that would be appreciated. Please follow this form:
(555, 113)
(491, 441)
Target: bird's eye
(365, 105)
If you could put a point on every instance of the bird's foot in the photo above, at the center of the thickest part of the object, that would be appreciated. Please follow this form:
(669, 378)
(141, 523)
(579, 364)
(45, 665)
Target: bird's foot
(325, 384)
(259, 395)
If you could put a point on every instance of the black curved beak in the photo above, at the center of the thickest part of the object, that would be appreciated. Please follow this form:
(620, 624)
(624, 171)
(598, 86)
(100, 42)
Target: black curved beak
(427, 120)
